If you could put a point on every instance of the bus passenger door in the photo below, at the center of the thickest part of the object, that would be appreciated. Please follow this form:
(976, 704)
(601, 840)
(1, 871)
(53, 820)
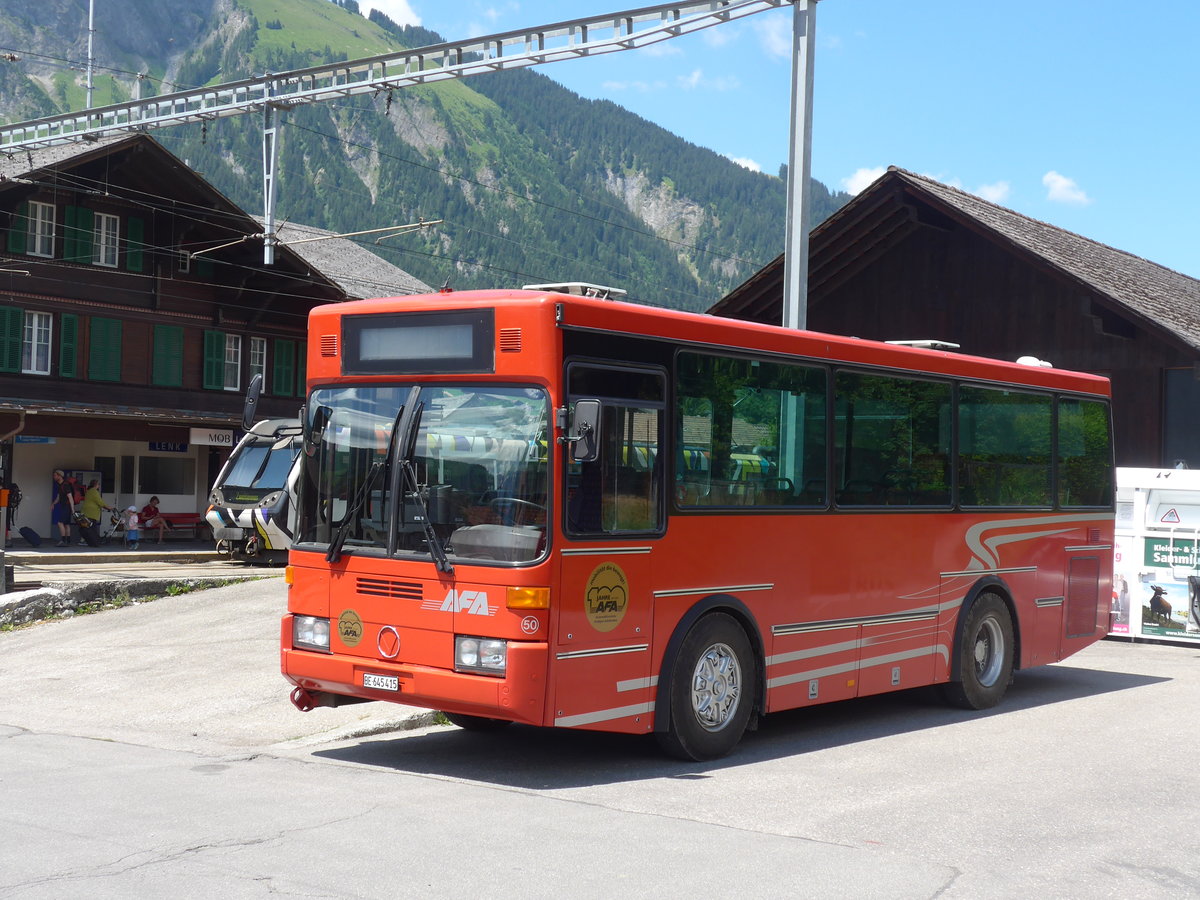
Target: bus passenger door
(612, 515)
(602, 648)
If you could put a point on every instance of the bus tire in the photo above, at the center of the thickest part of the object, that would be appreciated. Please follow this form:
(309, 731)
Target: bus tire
(711, 692)
(985, 655)
(475, 723)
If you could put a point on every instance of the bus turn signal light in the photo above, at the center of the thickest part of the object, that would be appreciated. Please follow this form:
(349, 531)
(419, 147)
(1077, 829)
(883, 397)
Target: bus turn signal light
(528, 598)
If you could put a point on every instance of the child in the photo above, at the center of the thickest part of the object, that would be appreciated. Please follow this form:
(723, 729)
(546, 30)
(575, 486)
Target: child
(131, 527)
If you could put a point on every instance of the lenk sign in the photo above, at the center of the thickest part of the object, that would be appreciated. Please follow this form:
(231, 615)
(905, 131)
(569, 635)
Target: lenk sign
(1164, 553)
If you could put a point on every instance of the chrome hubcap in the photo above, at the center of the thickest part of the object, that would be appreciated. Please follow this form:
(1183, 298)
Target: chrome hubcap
(989, 652)
(716, 687)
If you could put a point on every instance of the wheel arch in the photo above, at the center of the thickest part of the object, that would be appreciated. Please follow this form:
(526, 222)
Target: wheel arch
(724, 603)
(993, 584)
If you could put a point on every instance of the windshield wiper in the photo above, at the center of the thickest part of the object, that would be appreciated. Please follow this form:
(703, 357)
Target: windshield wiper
(404, 477)
(334, 553)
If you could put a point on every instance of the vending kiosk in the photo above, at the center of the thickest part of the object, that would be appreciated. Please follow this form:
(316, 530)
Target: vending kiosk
(1156, 571)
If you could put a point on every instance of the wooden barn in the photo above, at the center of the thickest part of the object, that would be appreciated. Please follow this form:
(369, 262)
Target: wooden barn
(911, 258)
(123, 354)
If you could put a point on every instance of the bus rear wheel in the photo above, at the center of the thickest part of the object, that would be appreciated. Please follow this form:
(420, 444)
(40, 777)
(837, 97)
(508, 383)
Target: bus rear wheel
(711, 690)
(476, 723)
(985, 655)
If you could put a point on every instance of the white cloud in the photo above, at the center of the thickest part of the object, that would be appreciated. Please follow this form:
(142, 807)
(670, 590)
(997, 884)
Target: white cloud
(398, 11)
(713, 37)
(747, 163)
(697, 79)
(859, 181)
(642, 87)
(662, 49)
(995, 193)
(1061, 189)
(775, 35)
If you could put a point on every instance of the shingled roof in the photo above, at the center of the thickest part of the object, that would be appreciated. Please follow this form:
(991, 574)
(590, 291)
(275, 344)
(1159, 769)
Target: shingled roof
(1157, 297)
(1153, 293)
(353, 267)
(348, 266)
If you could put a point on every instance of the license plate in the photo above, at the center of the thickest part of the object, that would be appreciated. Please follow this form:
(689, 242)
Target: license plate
(381, 682)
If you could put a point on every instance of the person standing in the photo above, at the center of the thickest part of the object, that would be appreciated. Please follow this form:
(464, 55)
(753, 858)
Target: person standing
(62, 508)
(93, 507)
(131, 528)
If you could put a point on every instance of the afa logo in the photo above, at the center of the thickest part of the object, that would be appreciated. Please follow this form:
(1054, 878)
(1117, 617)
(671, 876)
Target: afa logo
(473, 603)
(607, 597)
(350, 628)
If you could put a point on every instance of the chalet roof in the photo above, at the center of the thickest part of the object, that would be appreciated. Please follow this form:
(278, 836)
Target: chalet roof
(25, 163)
(348, 266)
(353, 267)
(1158, 297)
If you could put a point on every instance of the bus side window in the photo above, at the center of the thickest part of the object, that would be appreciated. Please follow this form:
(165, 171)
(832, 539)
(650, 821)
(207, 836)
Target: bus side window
(618, 491)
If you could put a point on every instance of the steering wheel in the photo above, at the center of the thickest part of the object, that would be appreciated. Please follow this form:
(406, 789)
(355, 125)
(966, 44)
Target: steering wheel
(508, 509)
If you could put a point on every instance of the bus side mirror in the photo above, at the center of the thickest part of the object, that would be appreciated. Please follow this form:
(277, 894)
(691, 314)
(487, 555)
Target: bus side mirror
(585, 431)
(251, 405)
(314, 431)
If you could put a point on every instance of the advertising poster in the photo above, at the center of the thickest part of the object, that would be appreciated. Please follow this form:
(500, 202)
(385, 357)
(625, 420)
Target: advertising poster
(1156, 563)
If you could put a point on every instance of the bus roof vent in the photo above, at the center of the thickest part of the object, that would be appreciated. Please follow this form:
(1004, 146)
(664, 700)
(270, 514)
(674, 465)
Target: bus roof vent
(579, 289)
(927, 344)
(329, 345)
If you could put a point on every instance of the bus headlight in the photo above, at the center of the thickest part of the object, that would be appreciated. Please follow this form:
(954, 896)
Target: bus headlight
(310, 633)
(485, 656)
(270, 500)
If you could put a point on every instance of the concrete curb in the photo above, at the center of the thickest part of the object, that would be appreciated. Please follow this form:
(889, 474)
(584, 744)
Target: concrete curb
(63, 598)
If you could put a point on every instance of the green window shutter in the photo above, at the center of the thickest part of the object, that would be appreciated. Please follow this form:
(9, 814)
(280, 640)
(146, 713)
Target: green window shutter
(167, 364)
(70, 234)
(283, 376)
(12, 332)
(18, 228)
(104, 350)
(68, 343)
(301, 370)
(77, 235)
(135, 228)
(204, 267)
(214, 360)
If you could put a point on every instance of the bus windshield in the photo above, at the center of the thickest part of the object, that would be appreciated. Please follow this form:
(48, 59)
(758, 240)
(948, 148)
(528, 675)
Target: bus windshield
(480, 459)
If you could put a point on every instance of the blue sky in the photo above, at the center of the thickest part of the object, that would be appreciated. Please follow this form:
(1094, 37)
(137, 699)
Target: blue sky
(1085, 115)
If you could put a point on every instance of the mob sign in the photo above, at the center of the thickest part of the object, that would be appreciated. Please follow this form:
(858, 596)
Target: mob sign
(212, 437)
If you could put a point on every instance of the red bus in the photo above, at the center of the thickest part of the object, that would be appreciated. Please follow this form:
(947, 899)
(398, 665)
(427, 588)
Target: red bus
(568, 511)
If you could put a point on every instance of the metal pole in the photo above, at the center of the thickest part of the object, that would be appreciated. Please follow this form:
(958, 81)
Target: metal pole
(795, 261)
(91, 31)
(270, 156)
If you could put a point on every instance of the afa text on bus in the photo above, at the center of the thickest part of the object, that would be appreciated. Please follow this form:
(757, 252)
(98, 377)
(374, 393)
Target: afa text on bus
(563, 510)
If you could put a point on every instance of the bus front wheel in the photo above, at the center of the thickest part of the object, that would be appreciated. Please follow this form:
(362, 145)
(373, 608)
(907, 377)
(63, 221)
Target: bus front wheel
(711, 690)
(985, 655)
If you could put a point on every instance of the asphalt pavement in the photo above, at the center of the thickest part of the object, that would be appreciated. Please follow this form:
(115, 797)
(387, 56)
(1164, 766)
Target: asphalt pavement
(151, 751)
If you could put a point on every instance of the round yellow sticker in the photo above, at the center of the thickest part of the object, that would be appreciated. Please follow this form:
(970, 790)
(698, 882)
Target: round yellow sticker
(350, 628)
(607, 597)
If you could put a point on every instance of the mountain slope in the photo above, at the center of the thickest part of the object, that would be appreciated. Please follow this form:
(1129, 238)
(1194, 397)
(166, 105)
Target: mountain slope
(532, 183)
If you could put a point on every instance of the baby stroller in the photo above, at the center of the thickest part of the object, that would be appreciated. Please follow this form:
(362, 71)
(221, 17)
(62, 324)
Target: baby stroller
(110, 529)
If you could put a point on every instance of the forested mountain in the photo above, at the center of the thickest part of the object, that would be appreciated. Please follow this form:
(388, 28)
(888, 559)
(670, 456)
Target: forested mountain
(533, 183)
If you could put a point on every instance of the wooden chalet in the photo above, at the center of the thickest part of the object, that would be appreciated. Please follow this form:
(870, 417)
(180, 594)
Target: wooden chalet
(911, 258)
(124, 354)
